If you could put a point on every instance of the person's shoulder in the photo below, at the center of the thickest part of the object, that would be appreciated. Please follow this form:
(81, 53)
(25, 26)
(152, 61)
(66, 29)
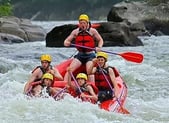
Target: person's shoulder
(110, 68)
(89, 85)
(92, 29)
(54, 68)
(75, 30)
(36, 69)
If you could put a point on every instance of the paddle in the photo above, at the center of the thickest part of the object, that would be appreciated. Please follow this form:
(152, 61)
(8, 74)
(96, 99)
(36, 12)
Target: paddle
(76, 83)
(122, 109)
(59, 92)
(129, 56)
(28, 92)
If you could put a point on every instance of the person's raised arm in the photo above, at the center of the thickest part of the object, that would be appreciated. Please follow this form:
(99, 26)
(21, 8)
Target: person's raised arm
(92, 68)
(99, 39)
(67, 41)
(56, 74)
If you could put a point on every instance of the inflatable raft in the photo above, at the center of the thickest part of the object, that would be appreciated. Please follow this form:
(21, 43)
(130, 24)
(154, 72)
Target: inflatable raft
(113, 105)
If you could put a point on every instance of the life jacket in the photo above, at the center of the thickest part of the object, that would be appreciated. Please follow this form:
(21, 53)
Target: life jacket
(43, 71)
(84, 38)
(84, 87)
(100, 80)
(76, 93)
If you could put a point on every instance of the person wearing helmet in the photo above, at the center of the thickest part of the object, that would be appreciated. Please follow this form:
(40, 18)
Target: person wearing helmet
(89, 92)
(101, 70)
(46, 81)
(84, 35)
(38, 72)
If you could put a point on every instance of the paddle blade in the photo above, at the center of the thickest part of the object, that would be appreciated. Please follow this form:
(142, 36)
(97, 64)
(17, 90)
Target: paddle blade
(132, 56)
(124, 111)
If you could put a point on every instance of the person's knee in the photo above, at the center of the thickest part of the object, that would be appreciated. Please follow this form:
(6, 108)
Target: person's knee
(91, 78)
(101, 97)
(104, 95)
(66, 76)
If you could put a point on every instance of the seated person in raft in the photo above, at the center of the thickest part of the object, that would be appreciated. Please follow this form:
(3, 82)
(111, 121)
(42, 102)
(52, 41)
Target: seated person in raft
(84, 90)
(47, 81)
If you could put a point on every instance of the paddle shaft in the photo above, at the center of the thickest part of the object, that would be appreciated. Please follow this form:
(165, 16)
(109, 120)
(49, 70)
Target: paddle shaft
(124, 110)
(76, 45)
(28, 92)
(129, 56)
(105, 77)
(61, 91)
(75, 81)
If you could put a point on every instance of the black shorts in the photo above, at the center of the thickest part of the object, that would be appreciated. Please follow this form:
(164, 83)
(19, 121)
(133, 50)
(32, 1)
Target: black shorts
(85, 57)
(105, 95)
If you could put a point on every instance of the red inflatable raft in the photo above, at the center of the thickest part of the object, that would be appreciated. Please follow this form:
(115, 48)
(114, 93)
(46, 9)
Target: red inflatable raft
(113, 105)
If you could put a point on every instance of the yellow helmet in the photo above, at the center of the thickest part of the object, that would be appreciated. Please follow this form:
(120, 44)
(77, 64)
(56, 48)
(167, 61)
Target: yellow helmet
(48, 76)
(46, 57)
(102, 54)
(84, 17)
(82, 76)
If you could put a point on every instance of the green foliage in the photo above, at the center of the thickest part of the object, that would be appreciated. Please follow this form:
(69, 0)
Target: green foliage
(5, 8)
(64, 9)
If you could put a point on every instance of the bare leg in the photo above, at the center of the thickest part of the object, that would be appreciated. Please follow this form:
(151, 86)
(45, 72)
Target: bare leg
(74, 65)
(90, 76)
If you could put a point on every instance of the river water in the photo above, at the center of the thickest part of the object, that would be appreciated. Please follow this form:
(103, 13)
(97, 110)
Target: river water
(148, 87)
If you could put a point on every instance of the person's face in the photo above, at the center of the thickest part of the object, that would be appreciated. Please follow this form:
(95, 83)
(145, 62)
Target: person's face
(47, 82)
(101, 61)
(81, 81)
(83, 24)
(45, 64)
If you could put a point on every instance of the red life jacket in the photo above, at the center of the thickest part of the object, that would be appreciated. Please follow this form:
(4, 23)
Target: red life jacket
(84, 39)
(100, 80)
